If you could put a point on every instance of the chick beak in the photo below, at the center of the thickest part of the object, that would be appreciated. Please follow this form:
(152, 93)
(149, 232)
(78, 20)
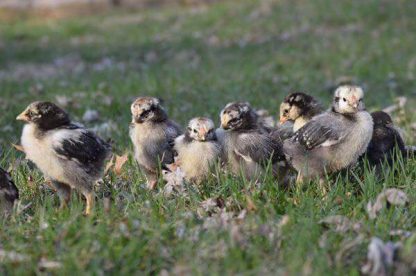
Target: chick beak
(354, 102)
(225, 118)
(23, 116)
(203, 133)
(283, 120)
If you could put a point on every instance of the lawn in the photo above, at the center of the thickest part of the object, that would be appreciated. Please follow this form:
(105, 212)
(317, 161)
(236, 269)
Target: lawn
(198, 58)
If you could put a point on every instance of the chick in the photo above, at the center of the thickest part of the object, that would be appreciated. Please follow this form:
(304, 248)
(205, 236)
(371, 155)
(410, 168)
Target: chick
(299, 108)
(333, 140)
(247, 148)
(67, 154)
(8, 193)
(198, 149)
(384, 141)
(283, 132)
(153, 135)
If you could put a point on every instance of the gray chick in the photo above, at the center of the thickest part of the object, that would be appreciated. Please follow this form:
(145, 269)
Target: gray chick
(66, 153)
(198, 149)
(247, 148)
(153, 135)
(299, 108)
(8, 193)
(333, 140)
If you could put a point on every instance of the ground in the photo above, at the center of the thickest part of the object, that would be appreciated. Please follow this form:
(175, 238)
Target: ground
(198, 58)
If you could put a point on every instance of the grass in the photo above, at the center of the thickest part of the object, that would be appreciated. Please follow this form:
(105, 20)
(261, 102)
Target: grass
(198, 59)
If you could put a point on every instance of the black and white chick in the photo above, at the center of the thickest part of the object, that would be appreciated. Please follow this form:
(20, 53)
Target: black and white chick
(8, 193)
(333, 140)
(299, 108)
(153, 136)
(68, 155)
(198, 149)
(386, 140)
(247, 148)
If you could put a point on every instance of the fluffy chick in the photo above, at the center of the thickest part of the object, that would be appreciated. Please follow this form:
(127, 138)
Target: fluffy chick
(67, 154)
(333, 140)
(248, 149)
(384, 141)
(8, 193)
(153, 135)
(198, 149)
(299, 108)
(283, 132)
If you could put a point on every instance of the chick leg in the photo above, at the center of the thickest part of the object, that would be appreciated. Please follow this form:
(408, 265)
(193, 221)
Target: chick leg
(299, 180)
(283, 174)
(151, 184)
(90, 197)
(151, 178)
(322, 187)
(64, 193)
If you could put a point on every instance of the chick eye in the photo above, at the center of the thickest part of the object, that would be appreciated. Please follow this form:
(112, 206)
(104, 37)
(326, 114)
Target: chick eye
(344, 99)
(360, 100)
(285, 111)
(195, 131)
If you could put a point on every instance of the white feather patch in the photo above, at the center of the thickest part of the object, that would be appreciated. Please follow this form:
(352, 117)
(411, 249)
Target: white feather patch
(245, 157)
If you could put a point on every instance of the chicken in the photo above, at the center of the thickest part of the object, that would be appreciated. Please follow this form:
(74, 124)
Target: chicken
(299, 108)
(153, 135)
(248, 149)
(333, 140)
(385, 142)
(198, 149)
(8, 193)
(68, 155)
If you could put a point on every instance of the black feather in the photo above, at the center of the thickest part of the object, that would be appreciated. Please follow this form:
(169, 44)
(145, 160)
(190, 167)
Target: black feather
(314, 134)
(307, 104)
(187, 138)
(51, 116)
(88, 149)
(8, 187)
(385, 141)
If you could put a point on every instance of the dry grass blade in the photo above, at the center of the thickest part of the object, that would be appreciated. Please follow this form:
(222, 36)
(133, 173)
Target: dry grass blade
(380, 257)
(174, 181)
(109, 165)
(119, 163)
(250, 204)
(396, 197)
(340, 223)
(45, 264)
(400, 103)
(347, 247)
(392, 196)
(11, 256)
(18, 147)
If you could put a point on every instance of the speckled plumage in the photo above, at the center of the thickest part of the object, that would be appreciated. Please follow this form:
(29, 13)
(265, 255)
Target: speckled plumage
(248, 149)
(66, 153)
(333, 140)
(299, 108)
(152, 135)
(8, 193)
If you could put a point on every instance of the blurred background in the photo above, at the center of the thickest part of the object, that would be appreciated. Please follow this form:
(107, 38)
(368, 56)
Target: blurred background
(93, 57)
